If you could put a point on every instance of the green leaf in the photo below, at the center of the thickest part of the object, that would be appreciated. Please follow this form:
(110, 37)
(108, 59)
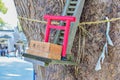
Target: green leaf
(1, 22)
(3, 8)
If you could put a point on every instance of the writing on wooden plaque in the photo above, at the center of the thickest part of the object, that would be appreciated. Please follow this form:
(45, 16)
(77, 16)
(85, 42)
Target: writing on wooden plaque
(45, 49)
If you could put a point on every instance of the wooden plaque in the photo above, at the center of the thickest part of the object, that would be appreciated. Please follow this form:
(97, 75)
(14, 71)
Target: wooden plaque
(44, 49)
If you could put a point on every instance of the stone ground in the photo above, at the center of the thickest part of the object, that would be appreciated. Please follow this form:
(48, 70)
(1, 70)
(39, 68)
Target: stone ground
(13, 68)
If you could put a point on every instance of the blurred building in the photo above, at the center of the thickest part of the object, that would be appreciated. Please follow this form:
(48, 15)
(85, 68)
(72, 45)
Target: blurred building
(10, 36)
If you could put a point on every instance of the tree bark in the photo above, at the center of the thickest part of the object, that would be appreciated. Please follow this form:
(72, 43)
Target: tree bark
(90, 47)
(95, 10)
(36, 9)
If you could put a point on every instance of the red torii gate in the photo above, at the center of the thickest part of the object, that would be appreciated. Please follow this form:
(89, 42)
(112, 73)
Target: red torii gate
(66, 28)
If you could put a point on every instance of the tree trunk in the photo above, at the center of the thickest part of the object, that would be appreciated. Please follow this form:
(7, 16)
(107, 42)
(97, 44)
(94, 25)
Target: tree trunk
(95, 10)
(36, 9)
(90, 48)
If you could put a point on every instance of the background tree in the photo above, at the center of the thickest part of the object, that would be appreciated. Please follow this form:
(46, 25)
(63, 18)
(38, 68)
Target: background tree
(3, 10)
(90, 47)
